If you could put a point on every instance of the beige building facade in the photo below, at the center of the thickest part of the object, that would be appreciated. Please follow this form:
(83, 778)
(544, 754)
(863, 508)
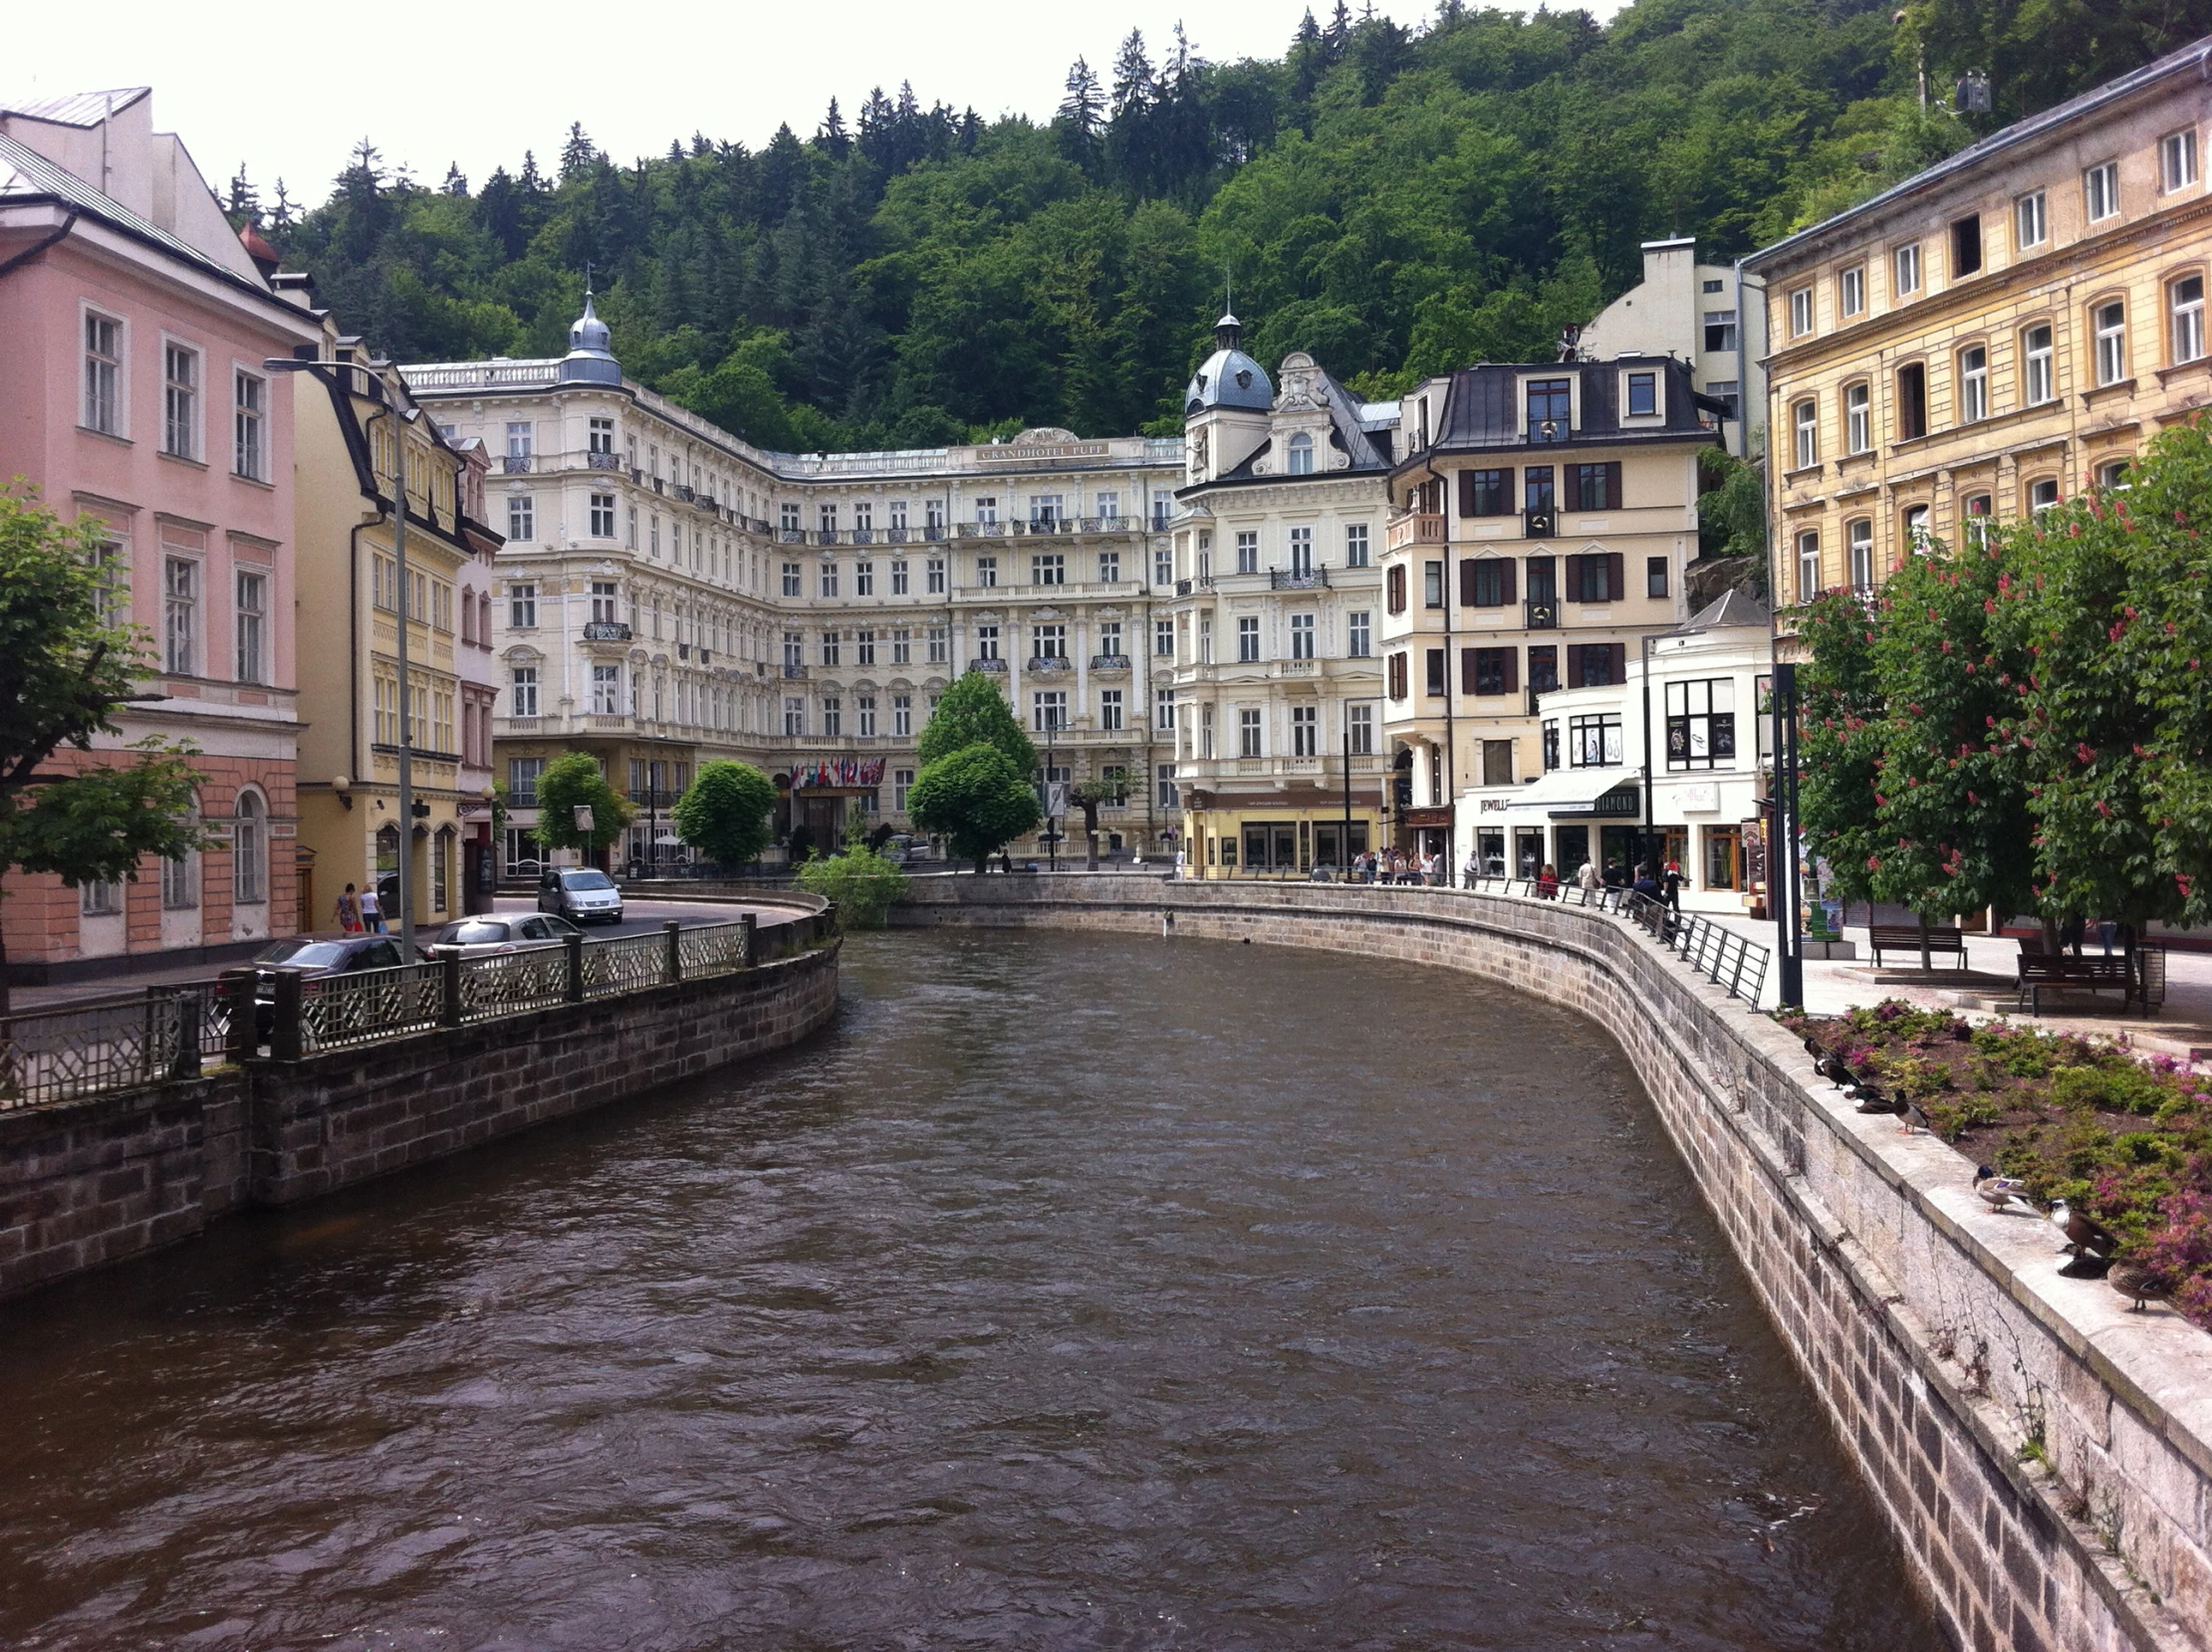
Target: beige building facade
(1695, 312)
(1995, 334)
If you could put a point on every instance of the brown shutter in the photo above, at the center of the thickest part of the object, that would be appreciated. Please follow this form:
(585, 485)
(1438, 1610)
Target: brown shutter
(1573, 677)
(1467, 670)
(1613, 500)
(1398, 588)
(1398, 677)
(1466, 492)
(1512, 670)
(1466, 579)
(1573, 591)
(1505, 581)
(1616, 577)
(1619, 651)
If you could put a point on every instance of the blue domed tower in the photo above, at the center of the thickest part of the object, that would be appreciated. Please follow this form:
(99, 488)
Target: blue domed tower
(1225, 406)
(588, 360)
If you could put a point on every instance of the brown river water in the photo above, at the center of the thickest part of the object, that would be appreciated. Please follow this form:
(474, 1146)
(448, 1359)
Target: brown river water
(1072, 1292)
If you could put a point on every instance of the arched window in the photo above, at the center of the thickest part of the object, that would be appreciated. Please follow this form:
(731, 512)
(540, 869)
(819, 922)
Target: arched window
(249, 853)
(1859, 536)
(1301, 454)
(180, 878)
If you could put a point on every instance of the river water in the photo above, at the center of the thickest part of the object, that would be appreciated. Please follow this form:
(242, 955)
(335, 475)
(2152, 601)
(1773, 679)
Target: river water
(1073, 1292)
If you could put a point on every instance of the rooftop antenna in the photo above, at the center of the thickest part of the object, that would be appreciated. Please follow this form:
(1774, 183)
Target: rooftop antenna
(586, 280)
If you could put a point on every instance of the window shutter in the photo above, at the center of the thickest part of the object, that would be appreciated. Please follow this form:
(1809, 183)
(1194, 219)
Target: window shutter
(1616, 577)
(1505, 581)
(1466, 492)
(1620, 652)
(1398, 588)
(1398, 677)
(1574, 579)
(1466, 579)
(1574, 666)
(1467, 670)
(1613, 500)
(1512, 670)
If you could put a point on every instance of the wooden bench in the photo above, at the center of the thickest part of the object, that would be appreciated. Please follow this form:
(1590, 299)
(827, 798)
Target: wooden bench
(2037, 973)
(1898, 937)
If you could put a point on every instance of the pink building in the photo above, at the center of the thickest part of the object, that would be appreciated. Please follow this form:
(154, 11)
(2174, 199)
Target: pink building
(133, 325)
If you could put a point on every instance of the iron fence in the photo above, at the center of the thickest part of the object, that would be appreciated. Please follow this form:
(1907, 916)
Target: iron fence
(1726, 957)
(79, 1049)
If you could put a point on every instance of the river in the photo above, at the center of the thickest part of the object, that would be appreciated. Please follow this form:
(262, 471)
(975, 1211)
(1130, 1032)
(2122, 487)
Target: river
(1072, 1292)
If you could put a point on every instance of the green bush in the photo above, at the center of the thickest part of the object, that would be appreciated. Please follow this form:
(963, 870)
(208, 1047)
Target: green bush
(864, 884)
(2119, 1087)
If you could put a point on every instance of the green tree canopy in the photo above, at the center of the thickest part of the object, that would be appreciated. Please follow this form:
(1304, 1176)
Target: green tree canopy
(972, 712)
(976, 798)
(66, 667)
(726, 812)
(571, 780)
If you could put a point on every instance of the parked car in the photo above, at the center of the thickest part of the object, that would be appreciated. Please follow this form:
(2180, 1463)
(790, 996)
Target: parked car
(318, 955)
(583, 894)
(481, 937)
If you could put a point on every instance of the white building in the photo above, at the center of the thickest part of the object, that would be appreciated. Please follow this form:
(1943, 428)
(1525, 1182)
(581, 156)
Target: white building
(1693, 313)
(1705, 723)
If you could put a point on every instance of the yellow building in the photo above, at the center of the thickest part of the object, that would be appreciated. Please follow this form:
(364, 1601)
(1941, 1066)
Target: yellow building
(353, 422)
(1991, 336)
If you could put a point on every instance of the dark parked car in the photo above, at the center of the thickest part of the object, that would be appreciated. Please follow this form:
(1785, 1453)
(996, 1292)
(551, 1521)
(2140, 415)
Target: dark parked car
(480, 937)
(314, 955)
(581, 895)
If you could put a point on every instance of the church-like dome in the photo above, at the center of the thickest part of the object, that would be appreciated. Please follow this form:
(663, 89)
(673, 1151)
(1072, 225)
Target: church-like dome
(1229, 378)
(588, 360)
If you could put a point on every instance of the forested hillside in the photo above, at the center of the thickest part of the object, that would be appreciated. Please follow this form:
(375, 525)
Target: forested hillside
(1396, 201)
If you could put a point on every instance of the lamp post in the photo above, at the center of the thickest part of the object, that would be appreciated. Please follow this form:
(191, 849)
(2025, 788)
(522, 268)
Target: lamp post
(372, 376)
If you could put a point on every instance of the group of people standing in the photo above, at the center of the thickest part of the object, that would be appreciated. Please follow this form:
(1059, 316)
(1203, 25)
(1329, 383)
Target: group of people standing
(1661, 883)
(1394, 865)
(360, 913)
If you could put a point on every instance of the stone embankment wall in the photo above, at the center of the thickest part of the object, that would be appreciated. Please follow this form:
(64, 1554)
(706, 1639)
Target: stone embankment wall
(2044, 1455)
(89, 1183)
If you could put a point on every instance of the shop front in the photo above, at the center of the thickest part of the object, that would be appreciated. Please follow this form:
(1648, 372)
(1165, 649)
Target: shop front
(1276, 839)
(814, 799)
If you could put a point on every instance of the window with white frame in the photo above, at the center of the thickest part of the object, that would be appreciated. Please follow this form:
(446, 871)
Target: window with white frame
(102, 409)
(522, 606)
(986, 642)
(600, 434)
(1048, 569)
(1163, 710)
(181, 615)
(1978, 519)
(1355, 545)
(936, 576)
(1048, 642)
(629, 529)
(653, 540)
(1301, 455)
(181, 401)
(523, 691)
(902, 717)
(1360, 634)
(1973, 383)
(180, 880)
(1164, 566)
(864, 579)
(2039, 383)
(1248, 730)
(249, 430)
(1850, 291)
(903, 782)
(898, 576)
(1163, 638)
(863, 516)
(1302, 636)
(1594, 740)
(1050, 709)
(2100, 191)
(1808, 565)
(2109, 326)
(903, 646)
(939, 645)
(1248, 553)
(1305, 731)
(1109, 710)
(249, 855)
(795, 716)
(607, 689)
(829, 584)
(1362, 730)
(1905, 270)
(1805, 418)
(251, 623)
(1248, 638)
(791, 580)
(2031, 224)
(522, 517)
(1302, 551)
(606, 602)
(833, 717)
(2177, 160)
(98, 898)
(2185, 318)
(1166, 794)
(1800, 311)
(1860, 537)
(828, 647)
(519, 441)
(1859, 424)
(1917, 538)
(897, 509)
(1110, 567)
(1163, 507)
(986, 571)
(2043, 493)
(826, 516)
(603, 516)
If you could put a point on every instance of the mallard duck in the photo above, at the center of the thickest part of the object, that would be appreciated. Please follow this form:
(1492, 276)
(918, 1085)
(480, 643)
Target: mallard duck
(2086, 1236)
(1835, 1071)
(1812, 1046)
(2138, 1283)
(2007, 1195)
(1870, 1100)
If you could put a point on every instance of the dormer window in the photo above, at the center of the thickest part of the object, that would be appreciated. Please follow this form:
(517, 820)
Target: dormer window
(1301, 454)
(1551, 410)
(1643, 395)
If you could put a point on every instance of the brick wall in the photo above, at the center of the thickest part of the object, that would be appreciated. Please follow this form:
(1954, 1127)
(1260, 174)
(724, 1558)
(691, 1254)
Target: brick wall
(92, 1182)
(1938, 1337)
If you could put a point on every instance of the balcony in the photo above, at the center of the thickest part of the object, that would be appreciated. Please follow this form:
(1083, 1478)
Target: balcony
(606, 630)
(794, 673)
(1109, 662)
(1414, 528)
(1541, 614)
(601, 461)
(515, 464)
(1298, 668)
(1539, 523)
(1050, 665)
(683, 493)
(650, 797)
(995, 665)
(1543, 432)
(1182, 587)
(706, 501)
(1313, 579)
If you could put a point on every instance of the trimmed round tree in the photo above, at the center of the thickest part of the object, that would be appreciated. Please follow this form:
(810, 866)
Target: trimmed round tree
(571, 780)
(973, 712)
(725, 812)
(975, 798)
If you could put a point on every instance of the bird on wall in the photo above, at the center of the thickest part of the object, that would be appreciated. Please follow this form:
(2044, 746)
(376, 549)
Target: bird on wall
(1812, 1046)
(1900, 1107)
(1835, 1071)
(2087, 1240)
(1870, 1099)
(2007, 1195)
(2137, 1283)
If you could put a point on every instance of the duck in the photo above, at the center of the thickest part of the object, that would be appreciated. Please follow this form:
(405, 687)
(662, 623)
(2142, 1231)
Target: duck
(2007, 1195)
(2087, 1239)
(1812, 1046)
(1870, 1099)
(2138, 1283)
(1835, 1071)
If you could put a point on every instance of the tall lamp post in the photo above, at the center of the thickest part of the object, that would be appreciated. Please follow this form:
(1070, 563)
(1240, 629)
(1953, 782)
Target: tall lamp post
(372, 376)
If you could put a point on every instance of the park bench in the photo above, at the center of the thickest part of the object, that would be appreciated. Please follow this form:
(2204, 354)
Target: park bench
(1898, 937)
(2037, 972)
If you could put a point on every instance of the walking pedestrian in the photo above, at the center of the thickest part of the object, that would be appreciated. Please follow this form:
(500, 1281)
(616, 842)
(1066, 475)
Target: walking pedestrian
(1672, 886)
(1586, 878)
(1546, 882)
(1473, 868)
(348, 913)
(372, 911)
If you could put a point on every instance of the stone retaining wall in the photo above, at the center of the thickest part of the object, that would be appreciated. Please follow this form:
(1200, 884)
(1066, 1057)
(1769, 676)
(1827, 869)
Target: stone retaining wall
(92, 1182)
(2044, 1455)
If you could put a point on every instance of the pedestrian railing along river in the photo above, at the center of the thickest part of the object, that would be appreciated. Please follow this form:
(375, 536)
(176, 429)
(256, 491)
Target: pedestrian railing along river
(164, 1033)
(1726, 957)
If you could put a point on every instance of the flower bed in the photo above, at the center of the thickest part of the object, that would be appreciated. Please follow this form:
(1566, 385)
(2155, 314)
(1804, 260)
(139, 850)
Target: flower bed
(2081, 1119)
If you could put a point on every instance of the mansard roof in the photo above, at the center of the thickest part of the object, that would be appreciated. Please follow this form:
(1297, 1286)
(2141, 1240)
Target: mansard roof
(1484, 408)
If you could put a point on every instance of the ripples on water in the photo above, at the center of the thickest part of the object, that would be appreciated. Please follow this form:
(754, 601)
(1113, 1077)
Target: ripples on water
(1073, 1292)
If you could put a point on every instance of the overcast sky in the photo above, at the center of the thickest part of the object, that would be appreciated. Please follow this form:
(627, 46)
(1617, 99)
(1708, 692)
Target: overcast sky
(478, 85)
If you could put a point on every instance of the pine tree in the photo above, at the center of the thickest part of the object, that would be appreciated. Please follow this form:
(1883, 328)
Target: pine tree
(244, 205)
(833, 140)
(281, 216)
(456, 180)
(576, 154)
(1128, 133)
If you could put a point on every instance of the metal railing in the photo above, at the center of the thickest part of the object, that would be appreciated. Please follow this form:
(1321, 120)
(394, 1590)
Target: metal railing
(79, 1050)
(1726, 957)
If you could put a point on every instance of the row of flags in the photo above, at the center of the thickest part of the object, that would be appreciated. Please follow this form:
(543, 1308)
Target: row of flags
(839, 771)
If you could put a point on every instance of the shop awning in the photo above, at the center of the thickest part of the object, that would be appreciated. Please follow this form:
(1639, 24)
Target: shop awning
(1579, 794)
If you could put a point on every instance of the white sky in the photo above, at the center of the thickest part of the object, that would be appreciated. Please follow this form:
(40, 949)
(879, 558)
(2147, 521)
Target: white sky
(479, 84)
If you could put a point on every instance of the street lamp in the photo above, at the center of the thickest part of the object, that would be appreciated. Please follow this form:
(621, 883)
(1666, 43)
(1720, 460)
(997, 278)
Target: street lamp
(371, 374)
